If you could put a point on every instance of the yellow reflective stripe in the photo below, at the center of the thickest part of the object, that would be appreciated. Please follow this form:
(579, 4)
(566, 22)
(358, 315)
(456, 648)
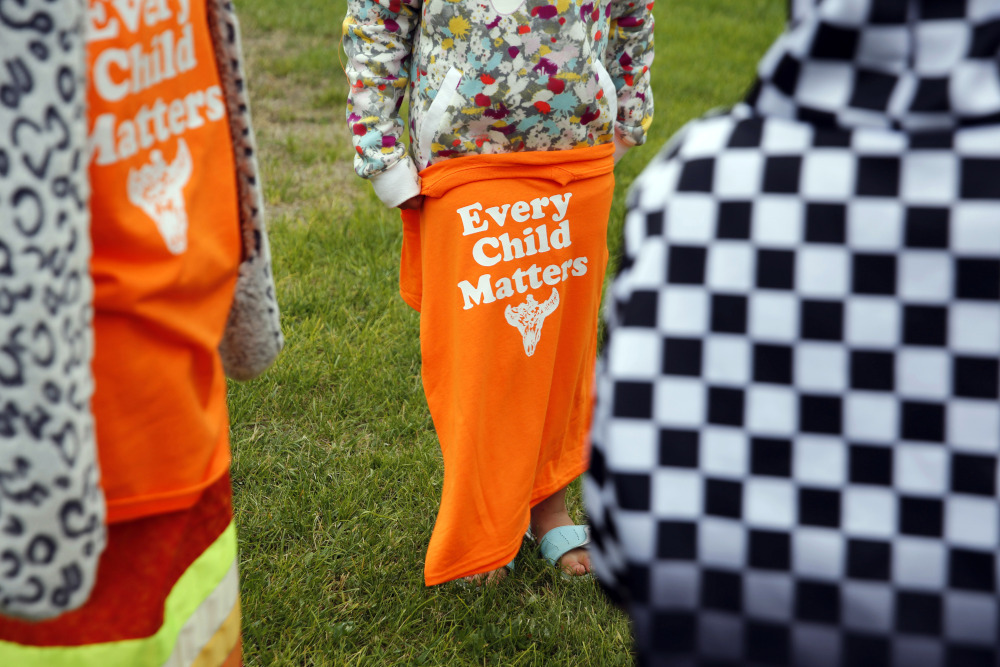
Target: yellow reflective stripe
(205, 621)
(193, 587)
(222, 643)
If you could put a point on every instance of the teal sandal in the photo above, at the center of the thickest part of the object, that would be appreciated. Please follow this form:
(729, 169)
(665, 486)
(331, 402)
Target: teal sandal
(558, 541)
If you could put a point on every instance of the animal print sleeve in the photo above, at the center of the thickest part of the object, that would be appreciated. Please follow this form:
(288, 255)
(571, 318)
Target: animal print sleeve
(628, 58)
(378, 39)
(51, 506)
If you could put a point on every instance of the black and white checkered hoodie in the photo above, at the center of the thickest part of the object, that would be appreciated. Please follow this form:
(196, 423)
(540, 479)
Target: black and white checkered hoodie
(797, 430)
(911, 65)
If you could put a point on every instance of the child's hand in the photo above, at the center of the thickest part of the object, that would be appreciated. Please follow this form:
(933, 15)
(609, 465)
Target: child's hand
(413, 203)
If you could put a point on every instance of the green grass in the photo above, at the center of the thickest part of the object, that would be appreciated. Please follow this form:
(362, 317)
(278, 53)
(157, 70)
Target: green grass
(336, 468)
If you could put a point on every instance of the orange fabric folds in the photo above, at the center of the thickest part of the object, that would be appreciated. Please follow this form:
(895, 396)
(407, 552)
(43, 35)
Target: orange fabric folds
(505, 262)
(166, 250)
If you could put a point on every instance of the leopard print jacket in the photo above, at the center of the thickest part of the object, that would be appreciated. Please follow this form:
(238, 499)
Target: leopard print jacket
(52, 513)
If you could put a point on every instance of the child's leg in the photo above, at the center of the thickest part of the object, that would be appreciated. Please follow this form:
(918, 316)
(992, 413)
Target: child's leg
(552, 513)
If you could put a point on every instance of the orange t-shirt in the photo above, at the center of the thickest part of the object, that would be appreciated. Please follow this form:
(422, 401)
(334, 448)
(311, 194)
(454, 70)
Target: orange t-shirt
(505, 261)
(166, 248)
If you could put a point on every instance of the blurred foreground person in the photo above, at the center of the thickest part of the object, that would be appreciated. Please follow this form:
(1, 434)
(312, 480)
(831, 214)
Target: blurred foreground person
(797, 432)
(132, 252)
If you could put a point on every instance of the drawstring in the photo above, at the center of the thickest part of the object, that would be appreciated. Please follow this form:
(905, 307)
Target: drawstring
(343, 48)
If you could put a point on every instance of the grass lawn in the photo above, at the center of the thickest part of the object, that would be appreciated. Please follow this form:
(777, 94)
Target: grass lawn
(337, 471)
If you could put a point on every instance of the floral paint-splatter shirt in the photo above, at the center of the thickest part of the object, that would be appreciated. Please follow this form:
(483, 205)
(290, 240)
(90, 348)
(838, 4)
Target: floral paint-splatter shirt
(494, 76)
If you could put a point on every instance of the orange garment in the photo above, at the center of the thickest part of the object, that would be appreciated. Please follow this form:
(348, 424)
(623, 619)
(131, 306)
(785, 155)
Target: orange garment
(166, 248)
(505, 262)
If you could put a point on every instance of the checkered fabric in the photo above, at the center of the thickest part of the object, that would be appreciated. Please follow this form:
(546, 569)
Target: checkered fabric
(914, 64)
(797, 433)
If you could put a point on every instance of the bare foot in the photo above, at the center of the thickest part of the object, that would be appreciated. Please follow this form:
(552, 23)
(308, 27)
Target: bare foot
(490, 578)
(552, 513)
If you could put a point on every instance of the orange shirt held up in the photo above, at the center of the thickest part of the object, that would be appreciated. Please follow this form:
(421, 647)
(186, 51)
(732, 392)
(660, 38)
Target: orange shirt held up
(505, 262)
(166, 248)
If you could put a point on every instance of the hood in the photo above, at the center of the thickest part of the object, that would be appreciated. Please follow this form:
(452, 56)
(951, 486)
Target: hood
(916, 65)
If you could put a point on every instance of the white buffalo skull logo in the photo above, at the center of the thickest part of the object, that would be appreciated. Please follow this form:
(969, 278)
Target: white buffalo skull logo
(529, 316)
(158, 189)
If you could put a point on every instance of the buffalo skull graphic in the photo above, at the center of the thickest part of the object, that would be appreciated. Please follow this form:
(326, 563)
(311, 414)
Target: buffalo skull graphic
(529, 316)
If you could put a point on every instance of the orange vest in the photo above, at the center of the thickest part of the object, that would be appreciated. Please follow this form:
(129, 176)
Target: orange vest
(166, 248)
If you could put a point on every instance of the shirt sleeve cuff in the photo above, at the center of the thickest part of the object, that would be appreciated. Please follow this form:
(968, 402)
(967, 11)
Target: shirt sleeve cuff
(397, 183)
